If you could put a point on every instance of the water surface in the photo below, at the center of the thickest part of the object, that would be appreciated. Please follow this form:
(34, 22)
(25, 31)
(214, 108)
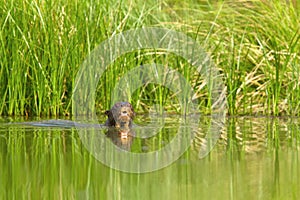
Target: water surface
(254, 158)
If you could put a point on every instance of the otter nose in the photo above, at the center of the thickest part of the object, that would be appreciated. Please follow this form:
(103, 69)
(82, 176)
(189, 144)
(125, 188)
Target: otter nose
(124, 112)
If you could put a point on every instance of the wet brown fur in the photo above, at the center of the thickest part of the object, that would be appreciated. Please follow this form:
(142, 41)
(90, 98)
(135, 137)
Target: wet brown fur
(120, 115)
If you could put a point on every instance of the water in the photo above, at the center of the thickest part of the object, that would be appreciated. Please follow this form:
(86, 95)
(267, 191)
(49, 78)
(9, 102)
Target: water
(253, 158)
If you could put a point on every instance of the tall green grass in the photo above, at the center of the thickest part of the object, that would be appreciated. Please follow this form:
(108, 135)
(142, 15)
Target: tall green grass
(253, 43)
(259, 53)
(256, 46)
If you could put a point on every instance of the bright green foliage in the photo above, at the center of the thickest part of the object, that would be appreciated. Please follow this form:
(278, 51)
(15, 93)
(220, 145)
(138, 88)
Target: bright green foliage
(255, 45)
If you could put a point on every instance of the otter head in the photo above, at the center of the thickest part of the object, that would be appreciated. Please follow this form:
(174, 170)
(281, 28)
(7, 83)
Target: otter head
(120, 115)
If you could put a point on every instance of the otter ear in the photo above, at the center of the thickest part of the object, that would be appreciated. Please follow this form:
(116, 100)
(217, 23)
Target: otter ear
(107, 112)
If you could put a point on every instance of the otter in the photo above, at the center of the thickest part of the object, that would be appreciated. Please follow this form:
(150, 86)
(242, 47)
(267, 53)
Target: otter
(120, 119)
(120, 115)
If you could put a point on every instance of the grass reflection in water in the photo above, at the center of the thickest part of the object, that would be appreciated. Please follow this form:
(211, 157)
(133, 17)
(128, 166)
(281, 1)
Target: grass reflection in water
(254, 158)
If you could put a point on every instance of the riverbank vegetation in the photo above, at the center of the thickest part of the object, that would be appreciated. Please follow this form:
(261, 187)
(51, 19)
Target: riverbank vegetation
(254, 44)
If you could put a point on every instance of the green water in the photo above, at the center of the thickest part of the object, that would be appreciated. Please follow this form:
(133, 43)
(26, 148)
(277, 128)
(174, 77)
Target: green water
(254, 158)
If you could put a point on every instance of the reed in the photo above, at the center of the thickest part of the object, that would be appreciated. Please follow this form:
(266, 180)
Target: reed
(254, 44)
